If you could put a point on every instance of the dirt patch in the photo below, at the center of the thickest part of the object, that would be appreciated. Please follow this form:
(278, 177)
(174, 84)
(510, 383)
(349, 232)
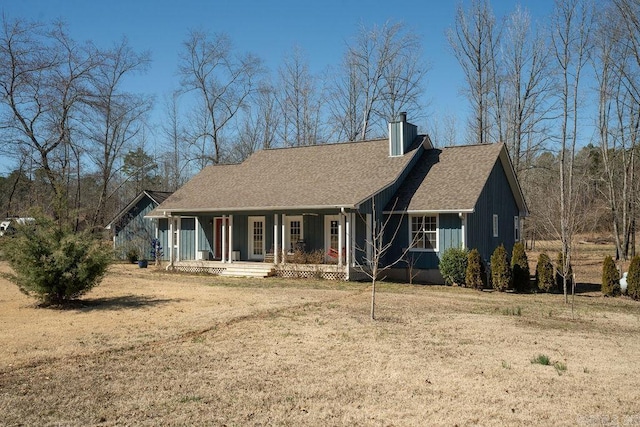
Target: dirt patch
(149, 348)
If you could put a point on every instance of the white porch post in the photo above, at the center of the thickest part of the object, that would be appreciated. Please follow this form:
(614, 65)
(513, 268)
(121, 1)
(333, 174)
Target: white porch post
(353, 238)
(197, 231)
(223, 257)
(340, 239)
(170, 241)
(276, 249)
(178, 227)
(368, 241)
(347, 230)
(463, 236)
(230, 252)
(284, 237)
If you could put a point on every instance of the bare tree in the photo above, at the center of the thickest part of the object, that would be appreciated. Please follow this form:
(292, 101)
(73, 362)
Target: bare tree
(299, 100)
(44, 77)
(527, 89)
(474, 41)
(616, 65)
(376, 250)
(114, 117)
(222, 80)
(381, 74)
(258, 129)
(175, 142)
(571, 42)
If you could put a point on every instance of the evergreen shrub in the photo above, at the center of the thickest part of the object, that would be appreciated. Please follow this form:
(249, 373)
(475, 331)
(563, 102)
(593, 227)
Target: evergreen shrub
(500, 269)
(475, 276)
(54, 264)
(544, 273)
(520, 268)
(610, 278)
(453, 266)
(633, 278)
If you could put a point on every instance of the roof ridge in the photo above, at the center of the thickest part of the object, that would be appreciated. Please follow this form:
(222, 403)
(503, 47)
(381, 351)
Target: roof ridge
(324, 144)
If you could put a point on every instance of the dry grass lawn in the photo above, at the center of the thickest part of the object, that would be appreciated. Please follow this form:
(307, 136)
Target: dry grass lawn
(151, 348)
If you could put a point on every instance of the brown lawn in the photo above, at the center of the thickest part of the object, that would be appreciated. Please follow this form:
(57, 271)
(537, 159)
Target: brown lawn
(151, 348)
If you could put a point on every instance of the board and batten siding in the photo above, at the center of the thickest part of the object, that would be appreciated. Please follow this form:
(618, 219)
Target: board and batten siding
(496, 198)
(449, 235)
(187, 238)
(134, 231)
(163, 236)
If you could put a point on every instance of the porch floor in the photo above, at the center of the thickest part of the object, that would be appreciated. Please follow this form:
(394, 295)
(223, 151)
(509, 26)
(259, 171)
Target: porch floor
(262, 269)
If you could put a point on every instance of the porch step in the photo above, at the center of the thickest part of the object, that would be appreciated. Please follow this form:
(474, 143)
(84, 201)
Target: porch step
(254, 269)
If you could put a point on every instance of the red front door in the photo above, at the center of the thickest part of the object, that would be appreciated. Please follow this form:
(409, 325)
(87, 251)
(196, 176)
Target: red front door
(218, 233)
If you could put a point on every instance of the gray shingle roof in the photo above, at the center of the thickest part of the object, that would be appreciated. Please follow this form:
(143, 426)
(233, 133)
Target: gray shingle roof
(452, 178)
(317, 176)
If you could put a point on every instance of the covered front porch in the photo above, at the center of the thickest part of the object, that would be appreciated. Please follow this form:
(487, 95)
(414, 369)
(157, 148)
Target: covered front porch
(322, 243)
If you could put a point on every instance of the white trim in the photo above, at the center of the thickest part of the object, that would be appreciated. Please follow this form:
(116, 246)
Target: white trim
(223, 243)
(463, 231)
(283, 234)
(327, 233)
(410, 230)
(196, 237)
(353, 239)
(170, 241)
(347, 235)
(516, 229)
(178, 229)
(290, 219)
(340, 239)
(230, 238)
(422, 211)
(250, 223)
(495, 225)
(276, 248)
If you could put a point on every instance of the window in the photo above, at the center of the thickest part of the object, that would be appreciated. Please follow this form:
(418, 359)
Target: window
(495, 225)
(424, 232)
(333, 234)
(516, 228)
(295, 238)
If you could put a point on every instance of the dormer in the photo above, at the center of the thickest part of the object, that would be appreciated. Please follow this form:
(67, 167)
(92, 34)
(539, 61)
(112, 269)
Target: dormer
(401, 135)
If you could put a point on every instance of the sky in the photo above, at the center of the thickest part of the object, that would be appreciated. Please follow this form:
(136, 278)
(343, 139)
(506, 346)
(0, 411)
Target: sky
(269, 29)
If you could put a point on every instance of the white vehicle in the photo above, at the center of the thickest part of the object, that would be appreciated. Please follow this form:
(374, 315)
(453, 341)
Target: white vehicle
(6, 226)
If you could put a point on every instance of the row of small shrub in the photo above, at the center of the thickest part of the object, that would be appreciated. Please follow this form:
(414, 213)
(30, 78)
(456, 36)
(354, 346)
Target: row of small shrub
(611, 278)
(466, 268)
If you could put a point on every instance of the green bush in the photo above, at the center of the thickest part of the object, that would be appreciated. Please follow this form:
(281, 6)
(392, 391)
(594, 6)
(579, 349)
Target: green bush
(132, 255)
(633, 278)
(559, 274)
(453, 266)
(500, 269)
(475, 276)
(610, 278)
(544, 273)
(56, 265)
(520, 268)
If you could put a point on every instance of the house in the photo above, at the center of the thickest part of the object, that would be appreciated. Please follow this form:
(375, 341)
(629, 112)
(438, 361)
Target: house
(130, 231)
(325, 198)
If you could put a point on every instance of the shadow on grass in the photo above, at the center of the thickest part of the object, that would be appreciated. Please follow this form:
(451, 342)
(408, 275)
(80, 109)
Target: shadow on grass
(586, 288)
(124, 302)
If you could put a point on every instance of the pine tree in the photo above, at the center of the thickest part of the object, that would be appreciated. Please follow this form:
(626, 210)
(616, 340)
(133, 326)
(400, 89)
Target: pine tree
(633, 278)
(610, 278)
(520, 267)
(500, 269)
(544, 273)
(475, 276)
